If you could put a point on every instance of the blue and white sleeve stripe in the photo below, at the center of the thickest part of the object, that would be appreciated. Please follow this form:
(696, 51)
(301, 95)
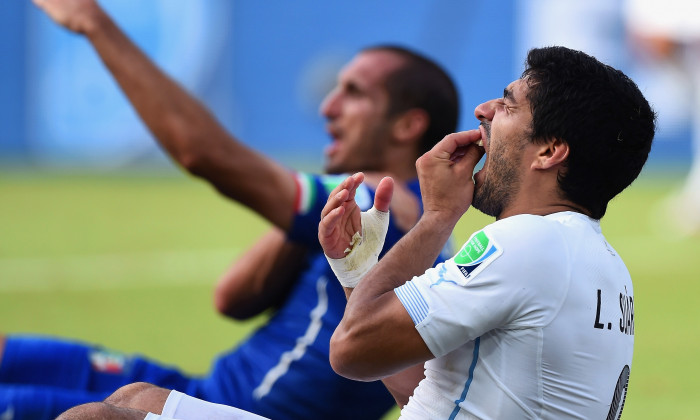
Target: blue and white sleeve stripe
(413, 301)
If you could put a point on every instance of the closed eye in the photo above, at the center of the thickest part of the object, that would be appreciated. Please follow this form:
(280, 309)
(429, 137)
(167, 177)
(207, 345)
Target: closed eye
(508, 95)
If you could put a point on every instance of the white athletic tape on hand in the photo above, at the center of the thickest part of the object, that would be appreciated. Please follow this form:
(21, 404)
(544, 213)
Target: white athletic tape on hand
(364, 249)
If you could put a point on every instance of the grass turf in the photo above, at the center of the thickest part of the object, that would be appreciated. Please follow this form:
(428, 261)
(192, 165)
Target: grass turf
(128, 261)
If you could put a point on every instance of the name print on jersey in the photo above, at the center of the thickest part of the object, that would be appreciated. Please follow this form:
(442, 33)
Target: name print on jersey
(626, 320)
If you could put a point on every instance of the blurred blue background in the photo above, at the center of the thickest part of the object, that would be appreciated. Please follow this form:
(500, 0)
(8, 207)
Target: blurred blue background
(264, 67)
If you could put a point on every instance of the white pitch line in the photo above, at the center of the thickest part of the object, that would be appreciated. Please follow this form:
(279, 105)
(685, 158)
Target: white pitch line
(114, 271)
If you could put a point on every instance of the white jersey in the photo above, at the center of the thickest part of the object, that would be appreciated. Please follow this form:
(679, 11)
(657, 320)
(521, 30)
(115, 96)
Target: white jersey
(532, 319)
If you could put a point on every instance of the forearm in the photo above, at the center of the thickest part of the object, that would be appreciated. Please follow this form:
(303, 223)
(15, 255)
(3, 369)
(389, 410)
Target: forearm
(189, 133)
(260, 278)
(376, 337)
(167, 110)
(411, 256)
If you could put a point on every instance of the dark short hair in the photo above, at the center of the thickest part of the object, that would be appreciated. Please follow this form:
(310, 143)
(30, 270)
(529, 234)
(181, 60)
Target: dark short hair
(602, 116)
(422, 83)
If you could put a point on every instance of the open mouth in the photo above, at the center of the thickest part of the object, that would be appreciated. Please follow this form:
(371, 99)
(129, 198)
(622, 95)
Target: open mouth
(485, 128)
(332, 148)
(335, 135)
(482, 143)
(484, 140)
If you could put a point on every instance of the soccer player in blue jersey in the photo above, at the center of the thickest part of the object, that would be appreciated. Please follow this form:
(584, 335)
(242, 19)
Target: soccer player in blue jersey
(389, 106)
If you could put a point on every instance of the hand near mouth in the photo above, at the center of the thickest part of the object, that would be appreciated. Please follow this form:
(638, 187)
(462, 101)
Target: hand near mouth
(445, 174)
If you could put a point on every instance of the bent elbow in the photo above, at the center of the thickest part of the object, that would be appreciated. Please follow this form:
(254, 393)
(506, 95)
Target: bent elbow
(338, 357)
(230, 307)
(221, 301)
(347, 361)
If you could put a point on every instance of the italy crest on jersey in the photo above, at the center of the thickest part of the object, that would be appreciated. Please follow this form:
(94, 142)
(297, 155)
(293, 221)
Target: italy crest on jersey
(107, 361)
(476, 254)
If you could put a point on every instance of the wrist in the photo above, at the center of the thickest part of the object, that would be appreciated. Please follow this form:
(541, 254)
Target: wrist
(93, 22)
(440, 220)
(364, 249)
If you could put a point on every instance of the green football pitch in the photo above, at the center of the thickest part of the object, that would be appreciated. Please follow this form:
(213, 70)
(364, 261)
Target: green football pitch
(129, 261)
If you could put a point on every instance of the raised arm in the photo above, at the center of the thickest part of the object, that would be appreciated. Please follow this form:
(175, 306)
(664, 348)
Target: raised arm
(376, 337)
(180, 123)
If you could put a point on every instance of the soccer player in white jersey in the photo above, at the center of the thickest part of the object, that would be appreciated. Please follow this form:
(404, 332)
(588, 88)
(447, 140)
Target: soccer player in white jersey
(534, 316)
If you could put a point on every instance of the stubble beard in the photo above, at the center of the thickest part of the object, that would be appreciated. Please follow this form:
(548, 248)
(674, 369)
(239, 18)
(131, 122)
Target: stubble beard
(500, 185)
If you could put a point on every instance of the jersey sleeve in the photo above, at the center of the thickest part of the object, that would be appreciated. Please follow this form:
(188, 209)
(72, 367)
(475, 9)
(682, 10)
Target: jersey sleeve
(493, 282)
(312, 195)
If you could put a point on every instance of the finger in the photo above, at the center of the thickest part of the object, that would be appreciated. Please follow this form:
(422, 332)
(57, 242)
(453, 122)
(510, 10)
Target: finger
(357, 179)
(463, 138)
(383, 194)
(458, 154)
(334, 201)
(451, 142)
(346, 183)
(329, 222)
(472, 152)
(352, 219)
(464, 165)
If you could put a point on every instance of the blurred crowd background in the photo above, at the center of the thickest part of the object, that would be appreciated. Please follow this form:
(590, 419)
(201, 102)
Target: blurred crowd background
(263, 68)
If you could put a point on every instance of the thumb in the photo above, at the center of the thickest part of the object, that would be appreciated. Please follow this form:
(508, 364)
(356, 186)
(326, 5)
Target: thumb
(382, 197)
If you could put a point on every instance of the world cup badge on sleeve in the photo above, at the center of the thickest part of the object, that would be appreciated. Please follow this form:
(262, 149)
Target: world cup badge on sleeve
(479, 251)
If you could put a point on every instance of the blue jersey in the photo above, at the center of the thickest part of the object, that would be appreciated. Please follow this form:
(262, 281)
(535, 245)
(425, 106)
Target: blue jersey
(281, 371)
(288, 356)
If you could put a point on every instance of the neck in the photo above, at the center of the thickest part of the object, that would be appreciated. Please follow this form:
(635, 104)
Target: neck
(543, 210)
(540, 198)
(573, 207)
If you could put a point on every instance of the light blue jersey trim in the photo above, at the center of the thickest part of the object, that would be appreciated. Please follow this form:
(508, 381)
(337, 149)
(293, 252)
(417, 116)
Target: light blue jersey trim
(475, 357)
(413, 301)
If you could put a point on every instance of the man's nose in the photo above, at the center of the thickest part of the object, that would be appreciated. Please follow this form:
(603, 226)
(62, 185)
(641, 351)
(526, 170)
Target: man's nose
(330, 105)
(485, 111)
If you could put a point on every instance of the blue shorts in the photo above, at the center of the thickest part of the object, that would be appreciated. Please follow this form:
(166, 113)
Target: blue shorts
(41, 377)
(50, 367)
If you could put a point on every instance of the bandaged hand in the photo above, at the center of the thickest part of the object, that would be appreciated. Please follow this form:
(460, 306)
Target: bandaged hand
(363, 250)
(352, 239)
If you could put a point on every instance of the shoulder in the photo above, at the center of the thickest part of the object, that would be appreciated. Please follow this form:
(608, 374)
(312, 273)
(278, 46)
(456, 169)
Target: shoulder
(523, 261)
(558, 234)
(526, 231)
(514, 247)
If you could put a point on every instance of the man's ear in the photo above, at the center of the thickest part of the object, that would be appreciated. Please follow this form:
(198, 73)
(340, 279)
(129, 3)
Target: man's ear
(550, 154)
(410, 125)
